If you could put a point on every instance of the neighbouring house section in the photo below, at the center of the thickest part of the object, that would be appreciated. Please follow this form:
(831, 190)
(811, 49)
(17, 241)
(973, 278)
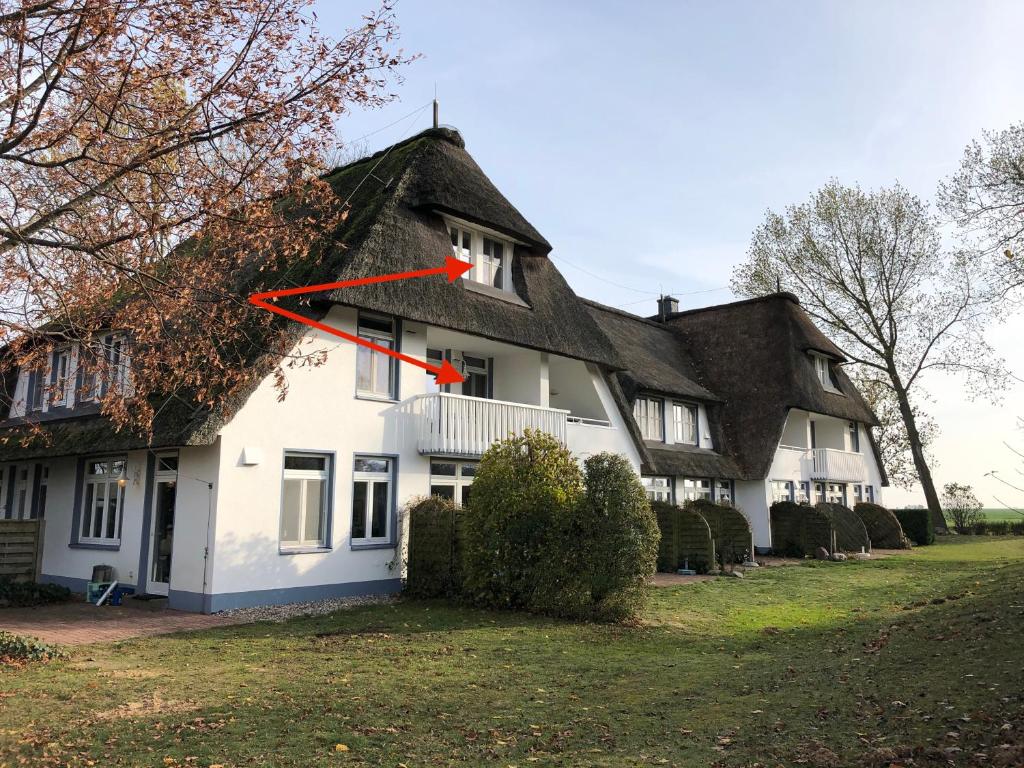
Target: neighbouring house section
(262, 499)
(743, 403)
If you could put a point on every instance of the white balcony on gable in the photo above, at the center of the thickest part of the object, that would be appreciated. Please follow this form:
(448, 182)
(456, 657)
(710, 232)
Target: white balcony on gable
(838, 466)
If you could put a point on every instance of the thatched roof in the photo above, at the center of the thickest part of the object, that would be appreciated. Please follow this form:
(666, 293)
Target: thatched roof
(753, 354)
(395, 198)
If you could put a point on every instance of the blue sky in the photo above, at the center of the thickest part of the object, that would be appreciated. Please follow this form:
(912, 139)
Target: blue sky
(647, 140)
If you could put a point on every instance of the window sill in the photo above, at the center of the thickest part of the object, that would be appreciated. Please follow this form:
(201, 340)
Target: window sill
(310, 550)
(371, 544)
(109, 546)
(375, 398)
(495, 293)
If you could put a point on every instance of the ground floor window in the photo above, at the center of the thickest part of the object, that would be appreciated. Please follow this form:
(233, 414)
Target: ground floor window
(103, 500)
(372, 481)
(723, 491)
(305, 499)
(21, 500)
(869, 492)
(697, 488)
(782, 490)
(803, 495)
(858, 494)
(836, 493)
(819, 493)
(44, 482)
(452, 479)
(658, 488)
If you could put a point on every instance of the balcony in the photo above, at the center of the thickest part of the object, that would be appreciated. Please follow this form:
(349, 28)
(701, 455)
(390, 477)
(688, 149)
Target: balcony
(458, 425)
(835, 465)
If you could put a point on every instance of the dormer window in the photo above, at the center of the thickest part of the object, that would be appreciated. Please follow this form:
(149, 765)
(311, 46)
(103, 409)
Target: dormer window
(826, 375)
(488, 252)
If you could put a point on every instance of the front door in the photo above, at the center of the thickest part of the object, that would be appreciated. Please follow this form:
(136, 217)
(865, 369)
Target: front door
(162, 525)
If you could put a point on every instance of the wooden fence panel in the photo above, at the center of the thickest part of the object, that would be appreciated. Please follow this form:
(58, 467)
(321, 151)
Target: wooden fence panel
(21, 549)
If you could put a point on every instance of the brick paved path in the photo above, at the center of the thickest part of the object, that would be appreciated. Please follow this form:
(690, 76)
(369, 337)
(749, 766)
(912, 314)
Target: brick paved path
(81, 623)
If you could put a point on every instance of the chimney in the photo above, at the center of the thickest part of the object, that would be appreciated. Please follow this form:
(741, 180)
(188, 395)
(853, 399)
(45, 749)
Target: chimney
(667, 305)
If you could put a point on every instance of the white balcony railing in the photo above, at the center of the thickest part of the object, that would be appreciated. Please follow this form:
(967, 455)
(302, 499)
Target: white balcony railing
(840, 466)
(457, 425)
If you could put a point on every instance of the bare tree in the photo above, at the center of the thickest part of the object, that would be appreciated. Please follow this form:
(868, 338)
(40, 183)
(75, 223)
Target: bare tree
(891, 433)
(135, 129)
(870, 268)
(985, 197)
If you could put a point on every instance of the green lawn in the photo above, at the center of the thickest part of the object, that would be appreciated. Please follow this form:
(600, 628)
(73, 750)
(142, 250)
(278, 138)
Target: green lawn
(922, 652)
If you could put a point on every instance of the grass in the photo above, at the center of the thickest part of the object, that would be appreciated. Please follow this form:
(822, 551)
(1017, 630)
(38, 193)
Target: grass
(822, 664)
(996, 515)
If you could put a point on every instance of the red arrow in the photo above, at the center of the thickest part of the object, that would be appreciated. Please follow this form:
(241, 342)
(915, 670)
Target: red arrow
(454, 268)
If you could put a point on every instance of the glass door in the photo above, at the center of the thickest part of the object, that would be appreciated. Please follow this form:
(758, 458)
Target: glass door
(162, 525)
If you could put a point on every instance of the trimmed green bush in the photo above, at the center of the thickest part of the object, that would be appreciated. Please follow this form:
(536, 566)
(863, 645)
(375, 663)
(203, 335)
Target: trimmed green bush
(25, 594)
(730, 530)
(605, 550)
(799, 529)
(435, 548)
(883, 528)
(685, 539)
(917, 524)
(524, 489)
(17, 648)
(850, 532)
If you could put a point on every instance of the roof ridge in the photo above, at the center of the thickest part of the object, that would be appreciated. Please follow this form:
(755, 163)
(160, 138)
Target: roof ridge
(624, 313)
(451, 135)
(742, 302)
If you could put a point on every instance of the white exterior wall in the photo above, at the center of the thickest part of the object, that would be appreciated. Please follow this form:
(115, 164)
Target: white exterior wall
(586, 440)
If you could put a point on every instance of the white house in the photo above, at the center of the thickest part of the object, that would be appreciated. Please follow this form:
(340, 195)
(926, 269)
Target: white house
(262, 501)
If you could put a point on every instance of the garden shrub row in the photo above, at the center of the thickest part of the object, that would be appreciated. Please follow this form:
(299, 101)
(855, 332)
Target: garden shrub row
(540, 534)
(998, 528)
(917, 525)
(883, 528)
(850, 532)
(799, 530)
(25, 594)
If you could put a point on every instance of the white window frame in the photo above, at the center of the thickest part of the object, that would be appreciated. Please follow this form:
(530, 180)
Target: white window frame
(60, 373)
(372, 479)
(679, 423)
(107, 480)
(22, 492)
(457, 482)
(869, 494)
(823, 370)
(307, 476)
(650, 418)
(783, 490)
(719, 486)
(853, 429)
(44, 487)
(694, 490)
(483, 270)
(376, 359)
(657, 487)
(110, 374)
(835, 493)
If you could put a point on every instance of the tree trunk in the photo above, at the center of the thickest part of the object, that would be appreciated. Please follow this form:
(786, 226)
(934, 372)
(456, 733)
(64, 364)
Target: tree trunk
(924, 473)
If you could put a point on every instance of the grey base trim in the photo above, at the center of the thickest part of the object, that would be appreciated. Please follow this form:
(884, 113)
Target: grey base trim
(225, 601)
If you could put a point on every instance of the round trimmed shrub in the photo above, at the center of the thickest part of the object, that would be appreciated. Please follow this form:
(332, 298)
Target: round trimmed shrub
(434, 565)
(730, 530)
(524, 490)
(685, 539)
(799, 529)
(883, 528)
(850, 533)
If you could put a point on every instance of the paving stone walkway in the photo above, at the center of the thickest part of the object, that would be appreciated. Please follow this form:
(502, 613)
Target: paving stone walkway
(81, 623)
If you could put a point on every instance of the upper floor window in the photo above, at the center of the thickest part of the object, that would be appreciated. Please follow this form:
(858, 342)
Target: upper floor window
(104, 366)
(647, 412)
(37, 386)
(684, 421)
(854, 437)
(59, 376)
(823, 369)
(375, 371)
(490, 255)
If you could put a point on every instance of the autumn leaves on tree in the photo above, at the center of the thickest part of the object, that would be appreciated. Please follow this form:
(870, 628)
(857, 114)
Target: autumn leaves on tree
(154, 156)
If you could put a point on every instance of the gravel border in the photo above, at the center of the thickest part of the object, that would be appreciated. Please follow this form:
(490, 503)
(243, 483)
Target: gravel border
(279, 613)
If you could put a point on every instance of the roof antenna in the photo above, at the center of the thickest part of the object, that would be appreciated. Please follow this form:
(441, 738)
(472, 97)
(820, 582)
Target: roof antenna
(435, 105)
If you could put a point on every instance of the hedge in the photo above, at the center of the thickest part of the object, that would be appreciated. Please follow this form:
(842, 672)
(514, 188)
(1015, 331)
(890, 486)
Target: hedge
(435, 548)
(998, 528)
(884, 529)
(685, 539)
(14, 594)
(798, 530)
(917, 524)
(730, 530)
(851, 534)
